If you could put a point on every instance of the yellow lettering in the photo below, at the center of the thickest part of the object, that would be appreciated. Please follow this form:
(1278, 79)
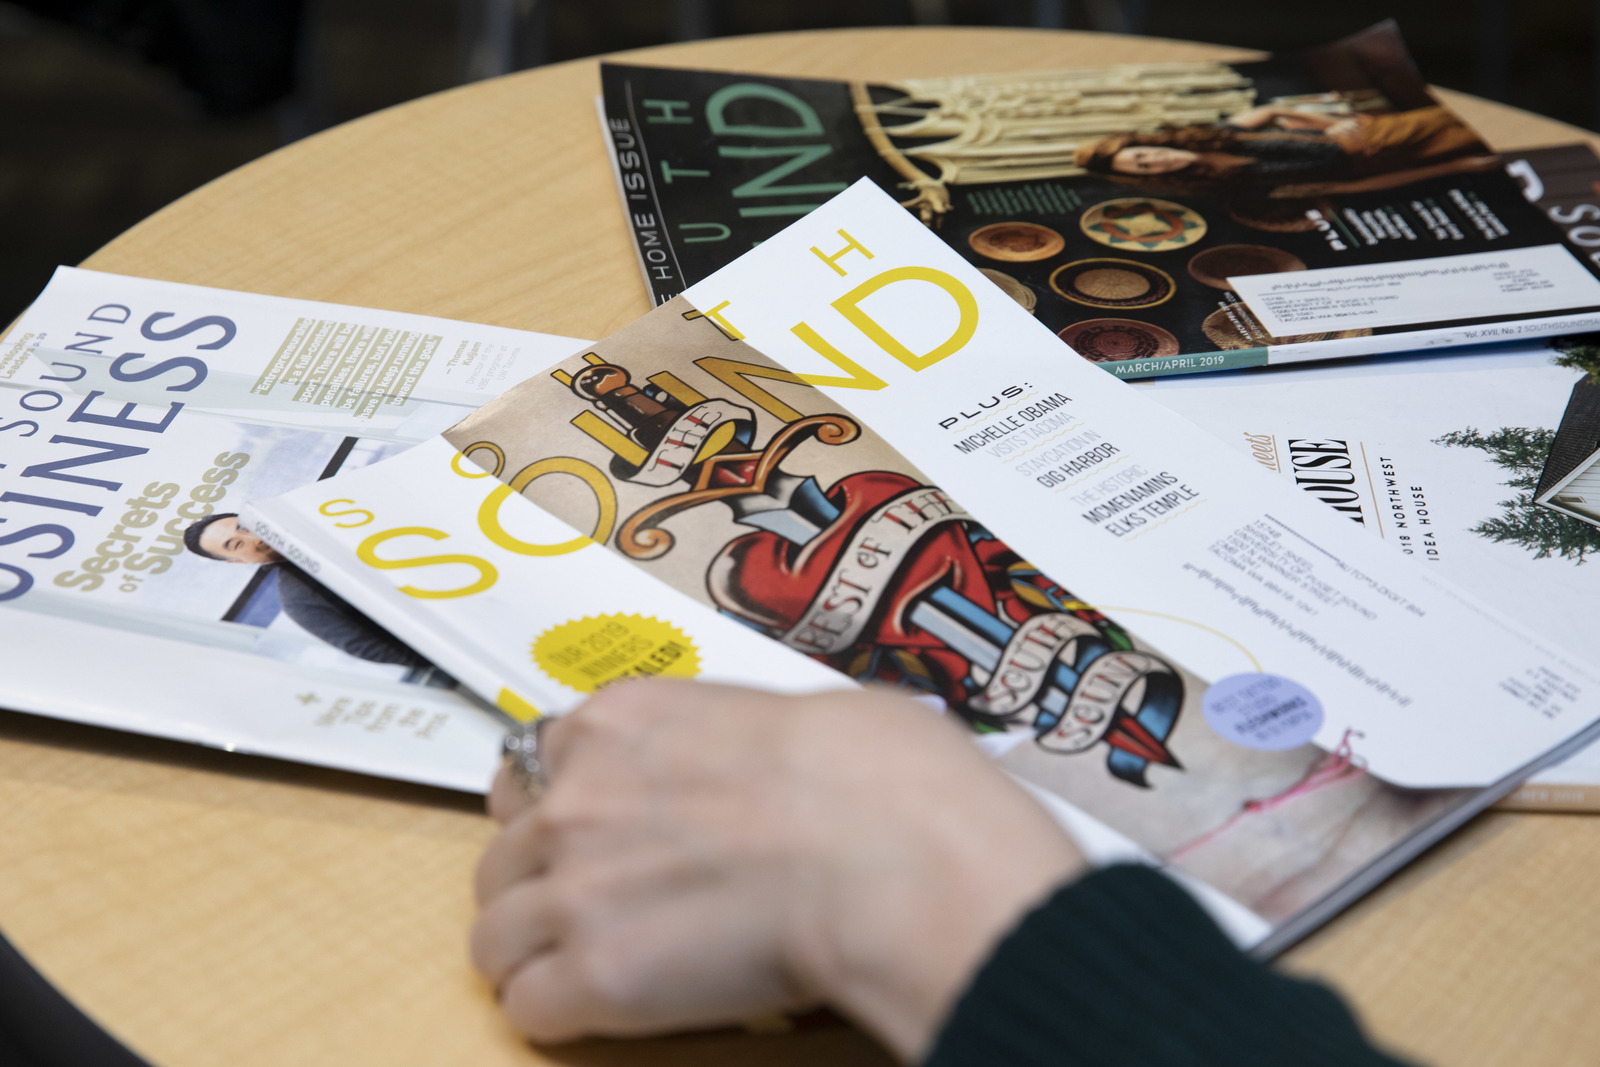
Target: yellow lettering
(605, 497)
(860, 377)
(367, 552)
(832, 261)
(489, 523)
(455, 462)
(610, 437)
(848, 306)
(327, 506)
(715, 315)
(486, 446)
(737, 375)
(677, 388)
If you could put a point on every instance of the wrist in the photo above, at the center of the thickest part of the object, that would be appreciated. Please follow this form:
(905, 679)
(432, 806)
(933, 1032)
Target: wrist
(898, 963)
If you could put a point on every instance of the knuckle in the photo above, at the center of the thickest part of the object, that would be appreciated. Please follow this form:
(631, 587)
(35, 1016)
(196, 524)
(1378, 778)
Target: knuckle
(506, 798)
(532, 1014)
(603, 970)
(601, 711)
(562, 812)
(569, 902)
(624, 704)
(493, 942)
(484, 883)
(511, 856)
(480, 948)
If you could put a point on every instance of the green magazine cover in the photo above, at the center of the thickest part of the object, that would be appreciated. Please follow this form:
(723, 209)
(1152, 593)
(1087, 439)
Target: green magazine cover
(1159, 218)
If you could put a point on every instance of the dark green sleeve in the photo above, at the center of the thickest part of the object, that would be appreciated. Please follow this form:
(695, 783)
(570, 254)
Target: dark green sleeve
(1122, 967)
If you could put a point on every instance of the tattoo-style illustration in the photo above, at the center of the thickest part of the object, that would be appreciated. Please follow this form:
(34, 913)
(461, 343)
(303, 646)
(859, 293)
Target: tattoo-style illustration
(876, 573)
(714, 469)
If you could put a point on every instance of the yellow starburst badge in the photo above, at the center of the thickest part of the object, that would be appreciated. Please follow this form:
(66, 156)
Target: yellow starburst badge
(597, 650)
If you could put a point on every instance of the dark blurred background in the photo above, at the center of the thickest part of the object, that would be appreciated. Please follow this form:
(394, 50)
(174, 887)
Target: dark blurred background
(111, 108)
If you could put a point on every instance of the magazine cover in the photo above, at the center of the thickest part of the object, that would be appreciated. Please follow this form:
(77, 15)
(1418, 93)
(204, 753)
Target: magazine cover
(1159, 218)
(535, 615)
(1442, 457)
(1470, 463)
(851, 446)
(486, 570)
(140, 417)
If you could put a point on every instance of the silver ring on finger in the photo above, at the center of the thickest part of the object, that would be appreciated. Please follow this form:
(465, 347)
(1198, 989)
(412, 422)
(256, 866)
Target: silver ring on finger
(521, 754)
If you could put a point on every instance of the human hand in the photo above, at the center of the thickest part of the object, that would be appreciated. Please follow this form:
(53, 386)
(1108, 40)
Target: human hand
(706, 854)
(1348, 129)
(1252, 118)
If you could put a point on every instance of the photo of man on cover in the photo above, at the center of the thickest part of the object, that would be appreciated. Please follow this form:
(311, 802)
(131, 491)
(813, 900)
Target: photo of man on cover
(301, 598)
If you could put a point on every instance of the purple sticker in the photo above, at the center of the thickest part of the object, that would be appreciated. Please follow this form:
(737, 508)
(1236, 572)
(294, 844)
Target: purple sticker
(1265, 711)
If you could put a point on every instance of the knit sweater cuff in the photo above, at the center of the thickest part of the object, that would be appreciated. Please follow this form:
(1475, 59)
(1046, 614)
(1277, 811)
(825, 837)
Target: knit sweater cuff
(1122, 967)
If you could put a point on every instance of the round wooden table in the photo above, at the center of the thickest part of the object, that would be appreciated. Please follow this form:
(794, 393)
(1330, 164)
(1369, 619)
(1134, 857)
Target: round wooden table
(213, 909)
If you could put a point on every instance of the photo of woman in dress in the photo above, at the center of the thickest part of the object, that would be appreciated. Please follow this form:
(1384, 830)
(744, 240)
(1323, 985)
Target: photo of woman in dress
(1281, 152)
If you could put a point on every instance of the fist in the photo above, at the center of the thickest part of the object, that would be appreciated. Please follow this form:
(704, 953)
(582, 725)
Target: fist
(705, 855)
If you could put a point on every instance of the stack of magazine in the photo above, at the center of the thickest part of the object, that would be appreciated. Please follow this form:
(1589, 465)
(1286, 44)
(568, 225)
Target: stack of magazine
(867, 437)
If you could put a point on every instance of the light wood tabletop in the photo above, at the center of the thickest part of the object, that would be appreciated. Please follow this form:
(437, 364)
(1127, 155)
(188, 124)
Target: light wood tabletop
(215, 909)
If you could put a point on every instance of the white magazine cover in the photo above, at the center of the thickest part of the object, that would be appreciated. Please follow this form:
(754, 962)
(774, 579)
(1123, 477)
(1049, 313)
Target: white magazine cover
(851, 445)
(1443, 457)
(132, 410)
(535, 616)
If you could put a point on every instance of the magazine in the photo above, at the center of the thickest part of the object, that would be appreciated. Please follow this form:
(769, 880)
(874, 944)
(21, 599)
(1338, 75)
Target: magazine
(1440, 456)
(1159, 218)
(847, 450)
(139, 417)
(1451, 457)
